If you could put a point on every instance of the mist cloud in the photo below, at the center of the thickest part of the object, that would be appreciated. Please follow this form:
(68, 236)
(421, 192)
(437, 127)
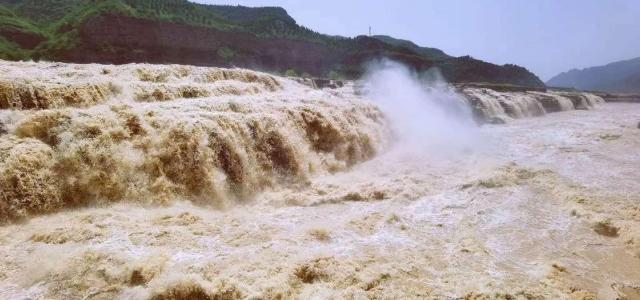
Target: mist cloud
(426, 113)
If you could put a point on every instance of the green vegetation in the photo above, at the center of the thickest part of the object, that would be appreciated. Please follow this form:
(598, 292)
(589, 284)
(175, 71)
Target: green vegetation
(225, 53)
(263, 37)
(9, 20)
(11, 51)
(58, 20)
(432, 53)
(291, 73)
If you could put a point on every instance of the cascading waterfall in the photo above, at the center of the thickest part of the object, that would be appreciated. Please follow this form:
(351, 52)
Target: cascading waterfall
(71, 135)
(495, 106)
(215, 144)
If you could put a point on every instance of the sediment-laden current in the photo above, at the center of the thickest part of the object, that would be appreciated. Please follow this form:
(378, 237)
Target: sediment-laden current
(177, 182)
(77, 135)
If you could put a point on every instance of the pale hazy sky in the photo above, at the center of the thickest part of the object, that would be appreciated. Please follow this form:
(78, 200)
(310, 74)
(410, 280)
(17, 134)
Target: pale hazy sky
(545, 36)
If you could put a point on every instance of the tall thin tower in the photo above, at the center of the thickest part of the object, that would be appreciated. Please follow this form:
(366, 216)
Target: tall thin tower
(369, 30)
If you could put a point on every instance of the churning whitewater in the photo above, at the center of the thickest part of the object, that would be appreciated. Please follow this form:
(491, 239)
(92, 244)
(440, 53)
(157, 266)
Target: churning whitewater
(82, 135)
(176, 182)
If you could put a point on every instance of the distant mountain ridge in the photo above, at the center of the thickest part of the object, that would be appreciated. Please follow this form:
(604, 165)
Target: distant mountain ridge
(620, 76)
(179, 31)
(432, 53)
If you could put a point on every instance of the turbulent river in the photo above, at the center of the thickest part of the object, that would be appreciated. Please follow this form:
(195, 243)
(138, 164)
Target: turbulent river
(177, 182)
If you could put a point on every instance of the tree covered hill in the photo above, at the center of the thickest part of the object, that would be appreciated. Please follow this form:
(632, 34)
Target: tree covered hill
(179, 31)
(432, 53)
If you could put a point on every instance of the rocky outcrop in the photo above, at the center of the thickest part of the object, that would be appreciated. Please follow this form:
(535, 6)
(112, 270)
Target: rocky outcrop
(119, 39)
(326, 83)
(26, 40)
(320, 83)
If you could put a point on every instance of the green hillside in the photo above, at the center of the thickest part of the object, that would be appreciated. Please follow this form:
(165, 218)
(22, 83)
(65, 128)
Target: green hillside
(179, 31)
(432, 53)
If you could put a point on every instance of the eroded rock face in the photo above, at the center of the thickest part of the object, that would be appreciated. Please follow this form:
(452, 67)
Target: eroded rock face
(319, 83)
(25, 40)
(162, 42)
